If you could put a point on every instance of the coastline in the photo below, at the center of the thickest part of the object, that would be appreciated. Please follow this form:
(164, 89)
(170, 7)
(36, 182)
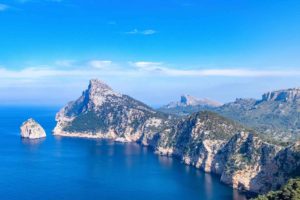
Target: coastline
(160, 151)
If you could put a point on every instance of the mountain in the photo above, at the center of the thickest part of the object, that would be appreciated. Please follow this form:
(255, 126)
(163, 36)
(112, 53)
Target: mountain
(241, 157)
(189, 104)
(276, 115)
(103, 113)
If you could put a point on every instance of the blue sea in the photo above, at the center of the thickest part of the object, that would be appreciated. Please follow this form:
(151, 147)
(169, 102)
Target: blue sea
(59, 168)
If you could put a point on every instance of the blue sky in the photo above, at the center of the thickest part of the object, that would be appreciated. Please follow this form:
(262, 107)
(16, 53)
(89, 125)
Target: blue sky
(152, 50)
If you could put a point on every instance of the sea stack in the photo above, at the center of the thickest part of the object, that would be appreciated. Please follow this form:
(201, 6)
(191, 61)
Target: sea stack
(32, 130)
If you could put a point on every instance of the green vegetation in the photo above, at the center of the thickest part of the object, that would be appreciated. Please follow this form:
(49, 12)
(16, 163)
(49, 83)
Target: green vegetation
(290, 191)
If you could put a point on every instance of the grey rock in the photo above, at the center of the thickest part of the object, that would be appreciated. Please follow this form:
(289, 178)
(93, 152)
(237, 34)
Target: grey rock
(32, 130)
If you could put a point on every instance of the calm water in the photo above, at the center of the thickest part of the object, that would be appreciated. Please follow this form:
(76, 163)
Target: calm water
(72, 168)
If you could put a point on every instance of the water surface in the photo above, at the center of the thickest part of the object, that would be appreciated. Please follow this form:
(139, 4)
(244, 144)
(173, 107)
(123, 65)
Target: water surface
(89, 169)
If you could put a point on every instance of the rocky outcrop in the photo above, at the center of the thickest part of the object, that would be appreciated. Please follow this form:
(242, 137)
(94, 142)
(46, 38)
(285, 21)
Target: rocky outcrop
(103, 113)
(32, 130)
(206, 140)
(289, 95)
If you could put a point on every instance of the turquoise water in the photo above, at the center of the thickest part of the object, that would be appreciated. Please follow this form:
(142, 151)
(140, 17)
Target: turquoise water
(72, 168)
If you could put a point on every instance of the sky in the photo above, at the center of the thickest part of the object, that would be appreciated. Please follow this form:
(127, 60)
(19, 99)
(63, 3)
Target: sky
(152, 50)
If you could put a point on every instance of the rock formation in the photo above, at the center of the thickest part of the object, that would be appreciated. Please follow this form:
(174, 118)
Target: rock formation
(206, 140)
(32, 130)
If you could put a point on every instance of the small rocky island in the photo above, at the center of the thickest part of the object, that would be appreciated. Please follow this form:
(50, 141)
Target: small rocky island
(32, 130)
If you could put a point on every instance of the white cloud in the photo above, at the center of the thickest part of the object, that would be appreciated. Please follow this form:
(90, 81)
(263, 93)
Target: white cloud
(100, 64)
(158, 67)
(147, 65)
(142, 32)
(99, 68)
(3, 7)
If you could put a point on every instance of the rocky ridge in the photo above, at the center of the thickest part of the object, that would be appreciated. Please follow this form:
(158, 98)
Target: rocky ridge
(206, 140)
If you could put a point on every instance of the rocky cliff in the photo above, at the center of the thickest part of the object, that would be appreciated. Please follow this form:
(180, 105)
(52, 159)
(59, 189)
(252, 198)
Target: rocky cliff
(206, 140)
(103, 113)
(32, 130)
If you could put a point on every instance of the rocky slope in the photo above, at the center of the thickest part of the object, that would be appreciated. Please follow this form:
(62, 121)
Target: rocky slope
(276, 115)
(206, 140)
(189, 104)
(32, 130)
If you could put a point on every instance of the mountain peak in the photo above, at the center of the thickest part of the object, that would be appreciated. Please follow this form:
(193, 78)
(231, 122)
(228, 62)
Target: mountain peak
(188, 100)
(96, 83)
(288, 95)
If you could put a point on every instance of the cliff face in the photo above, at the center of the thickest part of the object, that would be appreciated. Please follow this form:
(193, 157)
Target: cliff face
(242, 159)
(205, 140)
(289, 95)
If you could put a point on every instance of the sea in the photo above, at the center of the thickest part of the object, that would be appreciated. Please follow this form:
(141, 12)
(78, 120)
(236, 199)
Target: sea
(64, 168)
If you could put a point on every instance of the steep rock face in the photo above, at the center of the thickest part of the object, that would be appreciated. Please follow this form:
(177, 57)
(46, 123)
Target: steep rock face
(288, 95)
(243, 159)
(32, 130)
(198, 138)
(104, 113)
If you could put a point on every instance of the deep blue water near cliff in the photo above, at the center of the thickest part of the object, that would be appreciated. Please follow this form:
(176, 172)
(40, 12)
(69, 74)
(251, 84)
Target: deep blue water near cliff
(73, 168)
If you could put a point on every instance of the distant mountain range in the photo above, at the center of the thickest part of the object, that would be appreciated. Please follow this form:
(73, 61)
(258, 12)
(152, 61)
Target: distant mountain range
(243, 158)
(276, 115)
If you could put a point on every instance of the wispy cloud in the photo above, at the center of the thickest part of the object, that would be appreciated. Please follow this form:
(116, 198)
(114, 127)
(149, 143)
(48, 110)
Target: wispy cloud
(3, 7)
(106, 68)
(100, 64)
(160, 68)
(142, 32)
